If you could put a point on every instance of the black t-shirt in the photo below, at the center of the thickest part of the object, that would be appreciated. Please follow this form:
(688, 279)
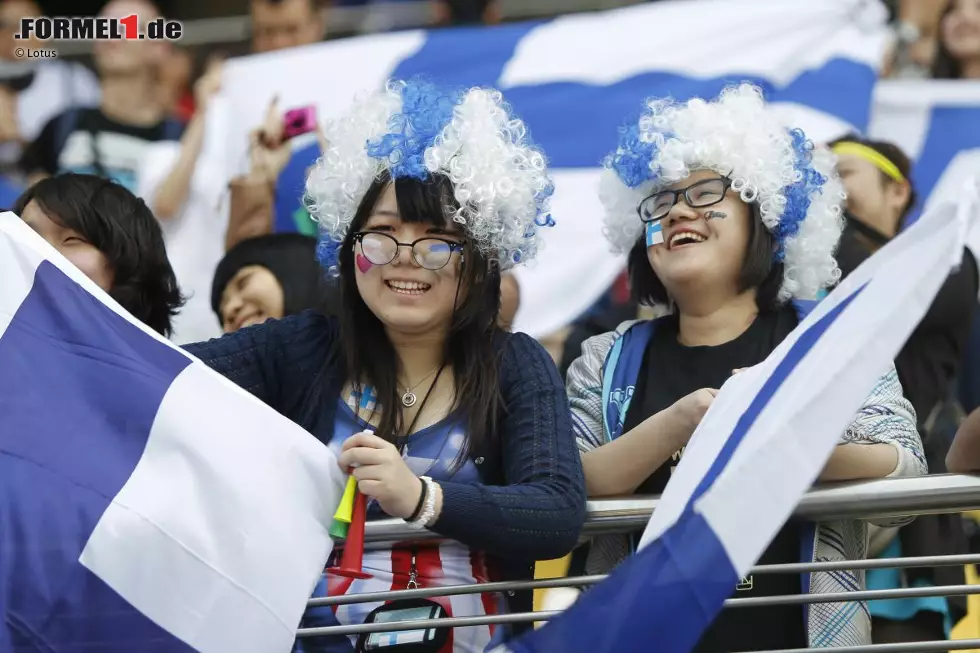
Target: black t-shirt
(671, 371)
(90, 142)
(930, 360)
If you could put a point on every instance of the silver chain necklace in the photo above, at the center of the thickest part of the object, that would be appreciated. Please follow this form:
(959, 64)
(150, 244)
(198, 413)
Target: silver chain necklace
(409, 398)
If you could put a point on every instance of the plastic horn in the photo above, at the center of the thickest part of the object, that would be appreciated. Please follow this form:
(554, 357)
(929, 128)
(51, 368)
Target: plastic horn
(353, 556)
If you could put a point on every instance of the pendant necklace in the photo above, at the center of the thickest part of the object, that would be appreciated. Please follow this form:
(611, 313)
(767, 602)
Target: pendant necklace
(409, 398)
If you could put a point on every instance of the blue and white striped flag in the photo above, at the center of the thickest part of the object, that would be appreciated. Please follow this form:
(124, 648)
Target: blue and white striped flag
(574, 80)
(146, 503)
(762, 444)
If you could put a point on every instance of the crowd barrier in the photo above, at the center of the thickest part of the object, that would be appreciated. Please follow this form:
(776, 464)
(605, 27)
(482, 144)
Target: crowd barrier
(935, 494)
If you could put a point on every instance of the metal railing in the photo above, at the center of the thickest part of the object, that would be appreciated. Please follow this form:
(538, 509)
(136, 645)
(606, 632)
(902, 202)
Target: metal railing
(877, 499)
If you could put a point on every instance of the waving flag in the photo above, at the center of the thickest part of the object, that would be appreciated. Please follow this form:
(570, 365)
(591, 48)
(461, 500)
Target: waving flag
(762, 444)
(574, 80)
(146, 504)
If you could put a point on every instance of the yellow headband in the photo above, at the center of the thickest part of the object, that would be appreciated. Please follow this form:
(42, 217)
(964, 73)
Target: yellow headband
(879, 160)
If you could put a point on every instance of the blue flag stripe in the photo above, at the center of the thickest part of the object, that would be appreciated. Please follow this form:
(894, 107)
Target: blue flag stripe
(786, 366)
(576, 124)
(661, 599)
(465, 56)
(74, 442)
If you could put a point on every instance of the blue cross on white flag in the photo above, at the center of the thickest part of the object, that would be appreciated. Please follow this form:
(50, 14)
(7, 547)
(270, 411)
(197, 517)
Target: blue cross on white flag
(146, 503)
(762, 444)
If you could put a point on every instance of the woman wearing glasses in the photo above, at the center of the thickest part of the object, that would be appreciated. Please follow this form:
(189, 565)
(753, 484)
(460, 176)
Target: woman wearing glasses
(431, 195)
(730, 221)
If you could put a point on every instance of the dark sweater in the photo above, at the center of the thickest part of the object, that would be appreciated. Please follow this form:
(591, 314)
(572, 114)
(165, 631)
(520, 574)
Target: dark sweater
(531, 505)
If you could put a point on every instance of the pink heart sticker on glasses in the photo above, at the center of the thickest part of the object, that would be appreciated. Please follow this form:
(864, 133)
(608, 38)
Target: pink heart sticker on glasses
(362, 263)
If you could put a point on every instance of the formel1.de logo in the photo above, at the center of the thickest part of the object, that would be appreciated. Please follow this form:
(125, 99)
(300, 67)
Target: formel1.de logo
(91, 28)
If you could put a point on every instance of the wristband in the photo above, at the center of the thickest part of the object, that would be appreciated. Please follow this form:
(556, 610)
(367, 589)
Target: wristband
(421, 504)
(428, 508)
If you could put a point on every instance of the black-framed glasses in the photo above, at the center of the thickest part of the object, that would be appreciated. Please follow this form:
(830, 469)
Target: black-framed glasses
(431, 253)
(698, 195)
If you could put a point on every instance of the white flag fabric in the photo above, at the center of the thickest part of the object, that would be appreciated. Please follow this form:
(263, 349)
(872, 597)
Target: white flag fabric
(146, 503)
(761, 445)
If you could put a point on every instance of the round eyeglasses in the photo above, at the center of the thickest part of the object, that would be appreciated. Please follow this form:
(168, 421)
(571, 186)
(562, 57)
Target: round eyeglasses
(430, 253)
(698, 195)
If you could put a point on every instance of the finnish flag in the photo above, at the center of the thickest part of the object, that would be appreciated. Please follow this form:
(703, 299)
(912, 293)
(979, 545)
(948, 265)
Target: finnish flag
(146, 503)
(759, 448)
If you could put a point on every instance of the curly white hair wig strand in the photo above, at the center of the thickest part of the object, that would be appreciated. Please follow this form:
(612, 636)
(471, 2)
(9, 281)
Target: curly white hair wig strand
(414, 129)
(794, 185)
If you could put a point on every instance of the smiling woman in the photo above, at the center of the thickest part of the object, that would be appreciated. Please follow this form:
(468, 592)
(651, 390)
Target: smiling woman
(423, 199)
(111, 236)
(270, 277)
(731, 221)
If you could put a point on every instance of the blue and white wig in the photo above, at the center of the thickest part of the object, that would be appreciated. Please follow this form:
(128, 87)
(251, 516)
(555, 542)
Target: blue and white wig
(795, 186)
(415, 129)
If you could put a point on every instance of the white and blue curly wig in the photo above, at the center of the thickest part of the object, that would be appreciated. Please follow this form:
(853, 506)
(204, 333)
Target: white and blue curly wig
(414, 129)
(794, 186)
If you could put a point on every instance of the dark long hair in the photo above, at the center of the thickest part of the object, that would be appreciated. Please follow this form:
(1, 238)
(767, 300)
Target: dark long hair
(469, 348)
(122, 227)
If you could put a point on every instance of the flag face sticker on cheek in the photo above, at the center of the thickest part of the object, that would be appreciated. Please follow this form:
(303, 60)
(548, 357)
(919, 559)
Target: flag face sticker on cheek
(655, 234)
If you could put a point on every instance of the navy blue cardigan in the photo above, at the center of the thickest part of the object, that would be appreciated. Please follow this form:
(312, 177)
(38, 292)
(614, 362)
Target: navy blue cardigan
(531, 503)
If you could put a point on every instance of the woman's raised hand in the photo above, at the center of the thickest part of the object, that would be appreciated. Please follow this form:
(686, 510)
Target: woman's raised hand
(381, 473)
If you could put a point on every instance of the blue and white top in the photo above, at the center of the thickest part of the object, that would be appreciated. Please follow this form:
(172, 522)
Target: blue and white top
(434, 452)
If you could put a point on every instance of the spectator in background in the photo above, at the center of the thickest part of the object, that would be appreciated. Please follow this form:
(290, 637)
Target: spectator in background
(279, 25)
(464, 12)
(916, 30)
(175, 76)
(270, 277)
(32, 91)
(958, 55)
(282, 24)
(735, 244)
(110, 140)
(880, 196)
(111, 236)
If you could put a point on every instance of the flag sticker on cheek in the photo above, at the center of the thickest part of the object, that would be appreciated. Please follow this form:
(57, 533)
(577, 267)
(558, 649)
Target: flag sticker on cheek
(362, 263)
(655, 234)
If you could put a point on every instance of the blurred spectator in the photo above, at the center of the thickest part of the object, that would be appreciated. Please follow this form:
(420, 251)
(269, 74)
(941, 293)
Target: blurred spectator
(916, 26)
(270, 277)
(465, 12)
(879, 198)
(253, 194)
(111, 236)
(32, 91)
(111, 140)
(174, 84)
(186, 192)
(958, 55)
(281, 24)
